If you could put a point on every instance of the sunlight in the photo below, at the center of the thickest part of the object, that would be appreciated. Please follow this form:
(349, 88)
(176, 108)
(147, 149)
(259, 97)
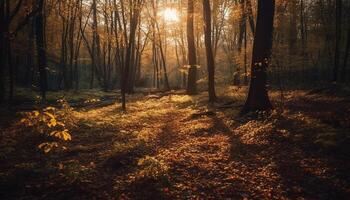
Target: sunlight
(170, 15)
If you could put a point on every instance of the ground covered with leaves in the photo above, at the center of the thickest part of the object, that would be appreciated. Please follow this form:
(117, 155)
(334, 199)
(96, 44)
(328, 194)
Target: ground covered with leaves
(173, 146)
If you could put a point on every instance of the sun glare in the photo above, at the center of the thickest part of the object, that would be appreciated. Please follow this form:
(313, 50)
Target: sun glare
(170, 15)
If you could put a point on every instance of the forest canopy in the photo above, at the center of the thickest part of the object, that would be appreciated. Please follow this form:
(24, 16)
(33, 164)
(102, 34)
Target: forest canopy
(51, 45)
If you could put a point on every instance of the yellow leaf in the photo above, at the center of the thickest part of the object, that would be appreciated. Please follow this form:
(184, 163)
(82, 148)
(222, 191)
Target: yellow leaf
(36, 113)
(47, 149)
(61, 124)
(50, 108)
(66, 135)
(42, 145)
(52, 123)
(49, 114)
(53, 133)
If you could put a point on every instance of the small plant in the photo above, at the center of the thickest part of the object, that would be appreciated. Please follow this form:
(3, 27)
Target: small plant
(152, 167)
(49, 122)
(65, 113)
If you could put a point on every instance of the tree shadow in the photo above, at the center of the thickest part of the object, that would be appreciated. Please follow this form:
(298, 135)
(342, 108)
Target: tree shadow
(291, 160)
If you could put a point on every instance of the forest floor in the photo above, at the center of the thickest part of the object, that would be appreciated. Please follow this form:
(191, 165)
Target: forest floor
(173, 146)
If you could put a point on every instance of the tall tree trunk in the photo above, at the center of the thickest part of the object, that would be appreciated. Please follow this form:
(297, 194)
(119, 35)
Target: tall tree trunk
(10, 69)
(8, 50)
(245, 56)
(154, 47)
(303, 40)
(29, 57)
(2, 50)
(163, 59)
(209, 50)
(346, 57)
(338, 15)
(40, 45)
(136, 9)
(258, 98)
(242, 24)
(96, 46)
(192, 57)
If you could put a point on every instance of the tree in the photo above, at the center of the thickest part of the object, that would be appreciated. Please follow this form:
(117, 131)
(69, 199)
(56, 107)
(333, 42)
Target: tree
(7, 15)
(192, 57)
(40, 45)
(347, 50)
(258, 98)
(338, 7)
(135, 10)
(2, 49)
(209, 50)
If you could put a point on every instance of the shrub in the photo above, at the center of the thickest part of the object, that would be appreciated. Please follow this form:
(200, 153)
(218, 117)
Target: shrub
(50, 122)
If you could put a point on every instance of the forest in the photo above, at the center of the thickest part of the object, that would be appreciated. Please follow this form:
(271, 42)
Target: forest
(174, 99)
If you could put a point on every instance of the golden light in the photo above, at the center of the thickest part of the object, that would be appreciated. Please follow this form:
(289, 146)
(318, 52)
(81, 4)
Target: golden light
(170, 15)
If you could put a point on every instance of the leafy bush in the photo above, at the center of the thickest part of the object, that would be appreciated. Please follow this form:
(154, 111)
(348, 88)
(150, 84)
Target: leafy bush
(50, 122)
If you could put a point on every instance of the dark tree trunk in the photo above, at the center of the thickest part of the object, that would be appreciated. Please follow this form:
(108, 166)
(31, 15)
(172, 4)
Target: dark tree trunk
(29, 58)
(242, 25)
(245, 57)
(338, 5)
(96, 47)
(209, 50)
(346, 57)
(166, 81)
(10, 69)
(293, 27)
(40, 45)
(258, 95)
(131, 44)
(192, 57)
(2, 50)
(8, 49)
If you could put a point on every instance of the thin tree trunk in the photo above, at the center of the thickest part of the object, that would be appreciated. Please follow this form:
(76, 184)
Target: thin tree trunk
(338, 5)
(40, 44)
(209, 51)
(10, 69)
(242, 24)
(2, 50)
(346, 57)
(163, 60)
